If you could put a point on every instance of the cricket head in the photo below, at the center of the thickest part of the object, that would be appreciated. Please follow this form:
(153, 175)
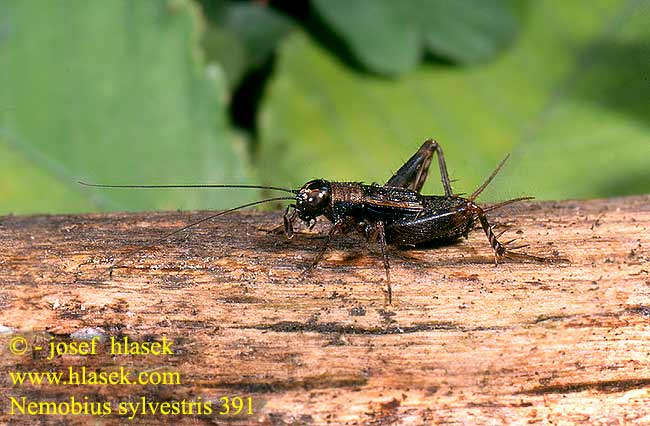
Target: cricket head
(313, 199)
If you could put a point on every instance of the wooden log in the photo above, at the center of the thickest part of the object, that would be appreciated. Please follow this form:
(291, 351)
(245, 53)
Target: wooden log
(464, 341)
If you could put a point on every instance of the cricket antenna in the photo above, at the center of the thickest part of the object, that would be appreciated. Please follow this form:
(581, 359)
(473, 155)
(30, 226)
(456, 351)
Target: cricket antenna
(505, 203)
(273, 188)
(198, 222)
(488, 180)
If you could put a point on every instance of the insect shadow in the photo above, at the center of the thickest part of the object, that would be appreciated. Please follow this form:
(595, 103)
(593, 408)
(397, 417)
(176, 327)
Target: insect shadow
(395, 213)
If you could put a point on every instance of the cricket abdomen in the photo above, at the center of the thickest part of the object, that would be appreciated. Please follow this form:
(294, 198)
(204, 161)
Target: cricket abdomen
(442, 218)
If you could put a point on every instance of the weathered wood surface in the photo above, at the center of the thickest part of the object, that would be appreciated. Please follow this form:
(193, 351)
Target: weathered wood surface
(463, 342)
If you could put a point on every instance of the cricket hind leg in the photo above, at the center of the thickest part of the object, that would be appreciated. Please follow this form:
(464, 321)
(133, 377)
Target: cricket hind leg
(413, 173)
(498, 248)
(501, 250)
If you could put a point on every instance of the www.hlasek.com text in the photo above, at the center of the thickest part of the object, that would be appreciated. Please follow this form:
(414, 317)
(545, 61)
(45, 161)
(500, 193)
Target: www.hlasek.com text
(87, 376)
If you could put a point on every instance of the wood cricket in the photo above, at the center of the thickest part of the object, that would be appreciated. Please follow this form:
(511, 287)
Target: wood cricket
(395, 213)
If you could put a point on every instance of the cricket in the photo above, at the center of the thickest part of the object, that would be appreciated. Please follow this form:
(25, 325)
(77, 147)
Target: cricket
(395, 213)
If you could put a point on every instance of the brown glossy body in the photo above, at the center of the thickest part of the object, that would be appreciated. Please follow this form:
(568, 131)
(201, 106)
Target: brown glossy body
(396, 212)
(409, 218)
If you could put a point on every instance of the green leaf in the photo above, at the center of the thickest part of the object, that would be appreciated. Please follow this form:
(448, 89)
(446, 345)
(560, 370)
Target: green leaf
(111, 92)
(224, 47)
(569, 102)
(260, 28)
(389, 37)
(242, 36)
(466, 31)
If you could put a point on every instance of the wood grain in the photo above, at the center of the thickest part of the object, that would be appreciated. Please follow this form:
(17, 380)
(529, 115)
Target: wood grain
(464, 341)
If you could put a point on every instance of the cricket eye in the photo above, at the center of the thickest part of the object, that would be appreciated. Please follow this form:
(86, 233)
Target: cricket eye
(314, 196)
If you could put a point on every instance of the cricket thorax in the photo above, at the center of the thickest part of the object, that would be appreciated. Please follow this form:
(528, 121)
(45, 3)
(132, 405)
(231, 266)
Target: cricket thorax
(347, 200)
(347, 192)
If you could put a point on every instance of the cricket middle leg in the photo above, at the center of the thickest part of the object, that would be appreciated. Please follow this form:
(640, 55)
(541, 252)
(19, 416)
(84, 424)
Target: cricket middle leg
(335, 229)
(377, 232)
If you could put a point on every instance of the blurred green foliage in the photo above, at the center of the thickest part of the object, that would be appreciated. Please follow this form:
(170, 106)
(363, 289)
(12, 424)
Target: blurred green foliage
(139, 92)
(109, 92)
(242, 36)
(569, 101)
(390, 37)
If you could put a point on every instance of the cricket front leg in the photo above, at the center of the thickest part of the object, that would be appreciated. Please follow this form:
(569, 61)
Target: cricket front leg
(289, 217)
(286, 228)
(413, 173)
